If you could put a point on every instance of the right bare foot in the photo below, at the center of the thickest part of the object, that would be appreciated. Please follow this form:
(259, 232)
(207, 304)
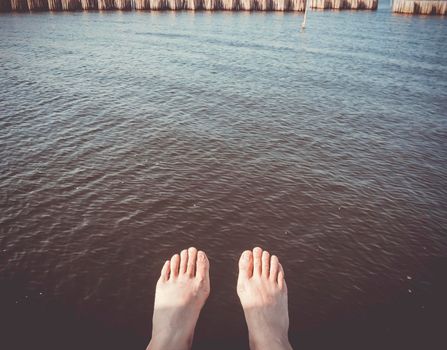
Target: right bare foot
(181, 292)
(263, 293)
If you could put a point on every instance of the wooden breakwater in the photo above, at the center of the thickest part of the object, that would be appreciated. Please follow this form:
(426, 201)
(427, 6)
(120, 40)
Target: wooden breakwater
(158, 5)
(344, 4)
(420, 7)
(223, 5)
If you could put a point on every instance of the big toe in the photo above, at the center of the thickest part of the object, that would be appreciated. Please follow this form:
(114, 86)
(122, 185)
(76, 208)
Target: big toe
(246, 265)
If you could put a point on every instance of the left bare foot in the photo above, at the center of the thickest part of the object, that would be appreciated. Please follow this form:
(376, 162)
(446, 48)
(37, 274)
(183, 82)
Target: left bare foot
(181, 292)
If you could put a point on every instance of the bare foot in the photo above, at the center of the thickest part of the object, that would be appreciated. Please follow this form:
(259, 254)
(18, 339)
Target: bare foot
(263, 293)
(181, 292)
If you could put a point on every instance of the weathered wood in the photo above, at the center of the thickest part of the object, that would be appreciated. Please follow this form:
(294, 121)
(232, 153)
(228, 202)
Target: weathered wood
(344, 4)
(405, 6)
(142, 4)
(55, 5)
(258, 5)
(228, 5)
(158, 5)
(210, 4)
(193, 5)
(37, 5)
(264, 5)
(19, 5)
(71, 5)
(106, 4)
(420, 7)
(280, 5)
(175, 4)
(297, 5)
(123, 5)
(89, 4)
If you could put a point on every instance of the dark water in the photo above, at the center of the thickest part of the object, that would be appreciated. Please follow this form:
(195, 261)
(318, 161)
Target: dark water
(125, 137)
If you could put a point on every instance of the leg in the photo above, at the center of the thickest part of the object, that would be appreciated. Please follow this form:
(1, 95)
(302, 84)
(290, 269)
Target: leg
(181, 292)
(263, 293)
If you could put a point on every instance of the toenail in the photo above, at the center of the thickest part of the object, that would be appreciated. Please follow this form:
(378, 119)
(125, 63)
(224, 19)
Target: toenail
(201, 256)
(245, 256)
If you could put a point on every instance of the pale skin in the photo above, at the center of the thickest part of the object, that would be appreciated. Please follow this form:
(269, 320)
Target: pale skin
(184, 286)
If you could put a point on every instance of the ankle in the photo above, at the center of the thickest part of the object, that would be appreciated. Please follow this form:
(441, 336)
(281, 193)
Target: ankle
(269, 342)
(170, 340)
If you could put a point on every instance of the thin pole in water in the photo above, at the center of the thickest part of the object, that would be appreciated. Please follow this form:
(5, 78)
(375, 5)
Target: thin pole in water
(303, 25)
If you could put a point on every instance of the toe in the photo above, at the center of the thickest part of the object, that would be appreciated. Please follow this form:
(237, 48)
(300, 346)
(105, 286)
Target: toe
(265, 263)
(164, 276)
(281, 279)
(257, 264)
(175, 261)
(192, 257)
(274, 268)
(246, 264)
(183, 261)
(202, 266)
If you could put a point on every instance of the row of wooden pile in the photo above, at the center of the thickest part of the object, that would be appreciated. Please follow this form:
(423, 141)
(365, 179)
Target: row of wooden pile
(230, 5)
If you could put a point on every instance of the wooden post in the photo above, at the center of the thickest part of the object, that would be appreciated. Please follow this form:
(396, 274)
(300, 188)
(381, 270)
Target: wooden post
(106, 4)
(71, 5)
(89, 4)
(420, 7)
(55, 5)
(37, 5)
(142, 4)
(19, 5)
(303, 25)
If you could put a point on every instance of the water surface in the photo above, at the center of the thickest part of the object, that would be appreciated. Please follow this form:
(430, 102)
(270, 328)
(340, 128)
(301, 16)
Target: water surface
(126, 137)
